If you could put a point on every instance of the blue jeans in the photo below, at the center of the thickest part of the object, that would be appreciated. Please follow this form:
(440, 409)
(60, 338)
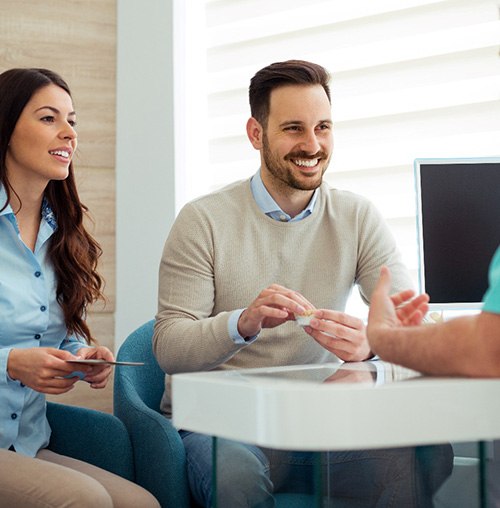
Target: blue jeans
(249, 476)
(243, 477)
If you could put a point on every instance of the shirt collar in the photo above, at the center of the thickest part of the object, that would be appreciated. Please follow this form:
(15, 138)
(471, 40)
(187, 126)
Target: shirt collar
(3, 200)
(267, 204)
(47, 213)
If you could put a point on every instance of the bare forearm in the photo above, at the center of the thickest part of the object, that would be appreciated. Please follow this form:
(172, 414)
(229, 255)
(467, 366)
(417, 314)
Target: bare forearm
(457, 347)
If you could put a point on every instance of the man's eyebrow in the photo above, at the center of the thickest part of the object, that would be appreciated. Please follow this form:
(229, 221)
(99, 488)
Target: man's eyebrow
(55, 110)
(299, 122)
(291, 122)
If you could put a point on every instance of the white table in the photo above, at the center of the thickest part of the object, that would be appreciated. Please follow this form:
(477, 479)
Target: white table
(365, 406)
(292, 408)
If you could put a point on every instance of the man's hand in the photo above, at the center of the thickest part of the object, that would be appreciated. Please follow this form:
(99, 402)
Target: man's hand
(43, 369)
(346, 336)
(98, 375)
(387, 311)
(274, 306)
(341, 334)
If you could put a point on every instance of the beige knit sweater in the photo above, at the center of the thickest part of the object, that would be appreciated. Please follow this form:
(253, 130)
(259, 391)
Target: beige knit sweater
(222, 251)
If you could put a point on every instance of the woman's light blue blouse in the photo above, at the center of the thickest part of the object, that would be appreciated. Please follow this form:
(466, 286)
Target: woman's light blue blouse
(30, 317)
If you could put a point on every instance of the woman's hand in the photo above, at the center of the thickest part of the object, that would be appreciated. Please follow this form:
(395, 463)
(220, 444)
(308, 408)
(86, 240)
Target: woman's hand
(43, 369)
(97, 375)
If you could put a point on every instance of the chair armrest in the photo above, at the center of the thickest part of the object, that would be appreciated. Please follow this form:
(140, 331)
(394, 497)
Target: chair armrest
(92, 436)
(159, 456)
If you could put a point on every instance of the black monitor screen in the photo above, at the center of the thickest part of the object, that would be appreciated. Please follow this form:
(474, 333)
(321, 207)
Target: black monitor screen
(459, 227)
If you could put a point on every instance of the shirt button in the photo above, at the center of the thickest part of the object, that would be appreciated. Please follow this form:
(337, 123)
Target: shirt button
(43, 308)
(283, 218)
(37, 274)
(13, 416)
(38, 336)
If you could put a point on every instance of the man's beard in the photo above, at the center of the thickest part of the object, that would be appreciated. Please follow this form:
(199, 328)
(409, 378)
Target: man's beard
(283, 174)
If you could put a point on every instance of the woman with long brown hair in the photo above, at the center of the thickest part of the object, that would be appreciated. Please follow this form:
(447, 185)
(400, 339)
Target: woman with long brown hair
(48, 279)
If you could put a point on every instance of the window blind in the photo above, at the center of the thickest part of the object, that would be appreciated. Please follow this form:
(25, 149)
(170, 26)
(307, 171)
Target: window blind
(410, 78)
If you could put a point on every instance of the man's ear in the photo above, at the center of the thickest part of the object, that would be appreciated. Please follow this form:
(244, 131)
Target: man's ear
(255, 133)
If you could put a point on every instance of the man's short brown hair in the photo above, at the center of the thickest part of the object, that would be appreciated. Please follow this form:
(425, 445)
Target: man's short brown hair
(291, 72)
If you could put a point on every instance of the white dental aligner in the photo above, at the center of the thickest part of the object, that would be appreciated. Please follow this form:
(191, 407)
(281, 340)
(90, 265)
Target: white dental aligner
(304, 319)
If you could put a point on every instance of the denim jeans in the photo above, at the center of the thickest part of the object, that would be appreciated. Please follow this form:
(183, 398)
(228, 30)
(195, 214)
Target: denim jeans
(249, 476)
(242, 472)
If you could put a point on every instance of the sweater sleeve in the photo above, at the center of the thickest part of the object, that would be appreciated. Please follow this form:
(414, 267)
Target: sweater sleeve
(187, 337)
(377, 247)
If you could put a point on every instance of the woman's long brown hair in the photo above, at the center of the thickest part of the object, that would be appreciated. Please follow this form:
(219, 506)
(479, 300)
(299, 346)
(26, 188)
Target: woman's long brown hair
(72, 250)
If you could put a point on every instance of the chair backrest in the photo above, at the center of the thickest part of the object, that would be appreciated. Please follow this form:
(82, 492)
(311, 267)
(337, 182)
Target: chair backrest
(147, 380)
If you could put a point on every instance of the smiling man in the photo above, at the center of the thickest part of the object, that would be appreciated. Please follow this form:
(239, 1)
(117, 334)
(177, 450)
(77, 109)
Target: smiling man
(295, 140)
(241, 263)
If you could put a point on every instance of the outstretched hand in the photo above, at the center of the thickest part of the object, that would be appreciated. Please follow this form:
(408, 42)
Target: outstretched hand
(401, 309)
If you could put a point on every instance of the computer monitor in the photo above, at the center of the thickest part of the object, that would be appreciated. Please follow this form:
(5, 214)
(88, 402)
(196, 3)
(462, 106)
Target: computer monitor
(458, 228)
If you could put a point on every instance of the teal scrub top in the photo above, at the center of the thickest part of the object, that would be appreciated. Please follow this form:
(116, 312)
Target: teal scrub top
(492, 296)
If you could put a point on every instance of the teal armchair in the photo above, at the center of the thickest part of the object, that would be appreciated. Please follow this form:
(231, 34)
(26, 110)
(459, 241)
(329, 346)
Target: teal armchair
(160, 460)
(98, 438)
(159, 456)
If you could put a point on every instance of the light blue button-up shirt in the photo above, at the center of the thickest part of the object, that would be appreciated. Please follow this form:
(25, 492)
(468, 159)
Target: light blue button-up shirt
(29, 317)
(268, 206)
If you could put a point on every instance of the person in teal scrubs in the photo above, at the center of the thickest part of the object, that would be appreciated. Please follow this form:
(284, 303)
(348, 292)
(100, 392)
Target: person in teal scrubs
(465, 346)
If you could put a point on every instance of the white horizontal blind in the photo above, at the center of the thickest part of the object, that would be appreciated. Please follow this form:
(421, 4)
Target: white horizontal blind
(411, 78)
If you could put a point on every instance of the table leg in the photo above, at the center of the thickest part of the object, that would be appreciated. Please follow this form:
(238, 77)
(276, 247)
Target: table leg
(483, 488)
(213, 501)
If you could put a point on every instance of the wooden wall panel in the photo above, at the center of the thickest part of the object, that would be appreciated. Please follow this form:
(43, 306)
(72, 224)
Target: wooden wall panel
(97, 191)
(77, 38)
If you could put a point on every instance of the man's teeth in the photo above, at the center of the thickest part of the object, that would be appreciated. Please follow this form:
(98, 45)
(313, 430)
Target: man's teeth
(62, 153)
(308, 163)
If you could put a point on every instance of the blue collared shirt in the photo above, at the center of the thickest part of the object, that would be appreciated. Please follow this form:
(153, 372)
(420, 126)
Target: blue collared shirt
(30, 317)
(269, 206)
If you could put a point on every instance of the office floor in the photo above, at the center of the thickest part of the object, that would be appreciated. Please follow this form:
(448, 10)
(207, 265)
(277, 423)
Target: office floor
(83, 395)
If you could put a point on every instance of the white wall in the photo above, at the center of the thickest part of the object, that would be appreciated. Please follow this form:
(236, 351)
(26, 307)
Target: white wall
(145, 182)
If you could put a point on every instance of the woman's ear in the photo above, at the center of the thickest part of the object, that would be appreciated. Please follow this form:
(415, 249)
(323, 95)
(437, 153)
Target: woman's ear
(255, 133)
